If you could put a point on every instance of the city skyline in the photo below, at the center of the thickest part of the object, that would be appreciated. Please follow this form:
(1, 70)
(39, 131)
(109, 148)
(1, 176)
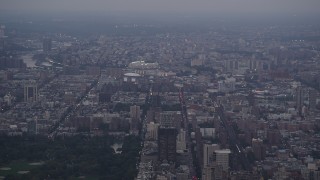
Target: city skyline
(160, 90)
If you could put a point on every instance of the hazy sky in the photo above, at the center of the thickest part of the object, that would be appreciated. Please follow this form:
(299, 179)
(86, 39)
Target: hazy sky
(165, 6)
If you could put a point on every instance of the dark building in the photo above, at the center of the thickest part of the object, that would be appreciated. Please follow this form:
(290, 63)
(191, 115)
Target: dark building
(155, 100)
(153, 114)
(119, 124)
(104, 97)
(106, 92)
(167, 144)
(81, 123)
(274, 137)
(47, 44)
(259, 149)
(231, 65)
(11, 62)
(135, 118)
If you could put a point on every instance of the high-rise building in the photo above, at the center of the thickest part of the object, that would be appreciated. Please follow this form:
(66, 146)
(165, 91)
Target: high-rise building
(167, 144)
(212, 173)
(135, 112)
(135, 118)
(47, 44)
(208, 154)
(30, 92)
(152, 131)
(181, 141)
(274, 137)
(259, 149)
(222, 158)
(231, 65)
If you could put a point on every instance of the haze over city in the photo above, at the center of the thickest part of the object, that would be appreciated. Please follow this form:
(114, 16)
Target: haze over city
(293, 7)
(160, 89)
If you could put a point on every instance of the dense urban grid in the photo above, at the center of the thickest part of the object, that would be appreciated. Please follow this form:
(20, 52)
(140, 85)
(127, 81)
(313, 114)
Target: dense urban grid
(161, 102)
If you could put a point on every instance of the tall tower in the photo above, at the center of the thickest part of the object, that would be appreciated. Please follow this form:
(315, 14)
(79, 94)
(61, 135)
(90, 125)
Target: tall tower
(30, 92)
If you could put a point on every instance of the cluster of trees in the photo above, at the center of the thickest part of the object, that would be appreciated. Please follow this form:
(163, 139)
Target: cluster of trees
(72, 157)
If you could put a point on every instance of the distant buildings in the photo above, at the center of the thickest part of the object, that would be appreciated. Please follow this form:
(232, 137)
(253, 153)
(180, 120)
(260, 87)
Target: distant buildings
(279, 120)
